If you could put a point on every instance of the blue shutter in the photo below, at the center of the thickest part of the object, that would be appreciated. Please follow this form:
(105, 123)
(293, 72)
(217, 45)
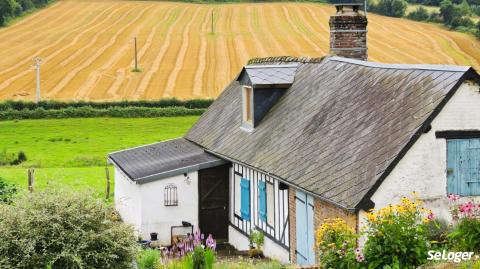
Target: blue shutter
(245, 199)
(463, 166)
(262, 200)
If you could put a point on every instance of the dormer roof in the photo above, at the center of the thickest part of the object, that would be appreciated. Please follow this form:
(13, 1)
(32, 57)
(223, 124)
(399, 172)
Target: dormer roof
(268, 75)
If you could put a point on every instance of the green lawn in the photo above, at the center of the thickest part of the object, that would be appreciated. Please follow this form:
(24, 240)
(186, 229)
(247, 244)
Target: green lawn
(72, 152)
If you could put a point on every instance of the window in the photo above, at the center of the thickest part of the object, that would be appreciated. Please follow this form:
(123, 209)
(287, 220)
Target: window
(247, 105)
(245, 199)
(266, 202)
(238, 194)
(463, 166)
(170, 195)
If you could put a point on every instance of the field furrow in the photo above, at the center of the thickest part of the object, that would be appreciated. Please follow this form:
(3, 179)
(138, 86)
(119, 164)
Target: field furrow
(87, 46)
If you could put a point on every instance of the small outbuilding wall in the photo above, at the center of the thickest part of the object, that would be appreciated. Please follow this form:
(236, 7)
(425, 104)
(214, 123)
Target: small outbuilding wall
(143, 205)
(423, 169)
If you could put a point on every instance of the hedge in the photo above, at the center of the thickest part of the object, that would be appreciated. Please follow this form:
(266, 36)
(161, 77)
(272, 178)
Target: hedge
(91, 112)
(47, 105)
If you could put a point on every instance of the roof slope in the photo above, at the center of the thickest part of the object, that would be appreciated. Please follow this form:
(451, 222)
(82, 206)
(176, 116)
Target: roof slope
(337, 129)
(270, 74)
(164, 159)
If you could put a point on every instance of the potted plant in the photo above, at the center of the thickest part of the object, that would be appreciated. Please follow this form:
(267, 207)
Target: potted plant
(257, 238)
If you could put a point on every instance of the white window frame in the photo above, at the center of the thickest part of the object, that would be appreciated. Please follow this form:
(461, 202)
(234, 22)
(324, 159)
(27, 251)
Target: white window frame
(247, 124)
(270, 194)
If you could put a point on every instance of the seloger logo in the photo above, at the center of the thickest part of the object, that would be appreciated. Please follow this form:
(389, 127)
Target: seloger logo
(451, 256)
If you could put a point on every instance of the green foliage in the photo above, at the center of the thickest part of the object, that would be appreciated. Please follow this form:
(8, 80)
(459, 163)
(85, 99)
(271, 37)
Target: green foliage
(466, 235)
(257, 238)
(392, 8)
(52, 104)
(63, 229)
(90, 112)
(437, 231)
(397, 236)
(336, 243)
(148, 259)
(198, 258)
(209, 258)
(419, 14)
(14, 8)
(12, 159)
(7, 192)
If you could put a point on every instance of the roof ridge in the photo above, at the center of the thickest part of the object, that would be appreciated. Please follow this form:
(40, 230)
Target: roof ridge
(433, 67)
(285, 59)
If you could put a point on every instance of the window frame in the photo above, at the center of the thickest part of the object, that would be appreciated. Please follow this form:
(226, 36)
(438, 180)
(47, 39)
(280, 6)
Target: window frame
(454, 185)
(247, 107)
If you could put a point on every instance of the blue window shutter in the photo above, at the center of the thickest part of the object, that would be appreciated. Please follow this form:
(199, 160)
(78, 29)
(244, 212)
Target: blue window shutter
(262, 200)
(245, 199)
(463, 166)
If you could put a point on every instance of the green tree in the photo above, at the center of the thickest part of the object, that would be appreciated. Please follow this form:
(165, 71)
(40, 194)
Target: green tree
(449, 12)
(393, 8)
(7, 8)
(419, 14)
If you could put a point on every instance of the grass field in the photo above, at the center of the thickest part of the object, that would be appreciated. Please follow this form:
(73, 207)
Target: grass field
(88, 50)
(73, 151)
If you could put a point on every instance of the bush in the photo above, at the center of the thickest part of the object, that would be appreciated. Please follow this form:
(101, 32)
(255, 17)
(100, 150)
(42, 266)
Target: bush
(51, 104)
(7, 192)
(336, 244)
(61, 229)
(257, 239)
(397, 235)
(148, 259)
(198, 258)
(465, 235)
(11, 159)
(392, 8)
(90, 112)
(420, 14)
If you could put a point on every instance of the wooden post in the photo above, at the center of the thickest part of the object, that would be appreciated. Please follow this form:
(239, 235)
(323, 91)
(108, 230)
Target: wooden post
(136, 59)
(212, 22)
(31, 179)
(107, 173)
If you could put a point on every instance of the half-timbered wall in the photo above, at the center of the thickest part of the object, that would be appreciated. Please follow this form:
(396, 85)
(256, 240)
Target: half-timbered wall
(277, 229)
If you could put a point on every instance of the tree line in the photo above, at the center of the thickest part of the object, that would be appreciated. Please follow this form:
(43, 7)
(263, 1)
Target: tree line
(454, 14)
(10, 9)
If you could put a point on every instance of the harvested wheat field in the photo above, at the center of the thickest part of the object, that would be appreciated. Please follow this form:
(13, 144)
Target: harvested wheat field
(87, 46)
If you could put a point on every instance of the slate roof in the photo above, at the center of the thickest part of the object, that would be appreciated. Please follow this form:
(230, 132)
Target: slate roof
(164, 159)
(338, 130)
(270, 74)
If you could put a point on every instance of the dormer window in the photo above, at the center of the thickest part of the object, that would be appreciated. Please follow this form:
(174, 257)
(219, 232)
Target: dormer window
(248, 107)
(262, 87)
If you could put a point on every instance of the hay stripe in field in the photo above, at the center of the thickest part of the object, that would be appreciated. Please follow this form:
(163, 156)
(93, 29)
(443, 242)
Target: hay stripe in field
(69, 34)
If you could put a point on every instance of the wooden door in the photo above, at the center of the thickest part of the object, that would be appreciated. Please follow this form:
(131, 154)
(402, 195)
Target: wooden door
(463, 166)
(214, 197)
(305, 228)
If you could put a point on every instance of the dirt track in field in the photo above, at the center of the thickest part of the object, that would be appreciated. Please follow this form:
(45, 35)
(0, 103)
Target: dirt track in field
(87, 46)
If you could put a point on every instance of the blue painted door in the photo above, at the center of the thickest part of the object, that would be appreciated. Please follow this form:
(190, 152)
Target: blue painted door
(305, 229)
(463, 166)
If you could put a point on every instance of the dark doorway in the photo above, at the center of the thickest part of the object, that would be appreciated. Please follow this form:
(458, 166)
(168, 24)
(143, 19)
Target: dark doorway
(213, 189)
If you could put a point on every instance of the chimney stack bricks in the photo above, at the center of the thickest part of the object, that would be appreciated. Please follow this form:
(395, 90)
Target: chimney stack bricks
(348, 32)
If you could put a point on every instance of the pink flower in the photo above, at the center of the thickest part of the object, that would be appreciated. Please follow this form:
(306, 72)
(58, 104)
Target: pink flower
(430, 216)
(453, 197)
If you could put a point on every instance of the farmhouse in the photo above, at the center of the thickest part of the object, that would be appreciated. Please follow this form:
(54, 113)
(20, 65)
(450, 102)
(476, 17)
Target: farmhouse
(293, 141)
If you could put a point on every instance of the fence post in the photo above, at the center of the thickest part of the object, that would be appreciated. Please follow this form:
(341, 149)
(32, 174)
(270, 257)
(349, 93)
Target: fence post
(31, 179)
(107, 173)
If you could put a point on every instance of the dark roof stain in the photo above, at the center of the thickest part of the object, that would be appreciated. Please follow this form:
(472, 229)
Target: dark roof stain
(339, 127)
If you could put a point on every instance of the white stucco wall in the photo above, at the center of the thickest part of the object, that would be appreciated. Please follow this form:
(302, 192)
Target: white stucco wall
(156, 217)
(127, 199)
(271, 249)
(423, 168)
(142, 205)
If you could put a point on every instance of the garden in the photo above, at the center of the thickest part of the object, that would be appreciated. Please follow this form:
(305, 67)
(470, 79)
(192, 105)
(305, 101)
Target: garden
(402, 236)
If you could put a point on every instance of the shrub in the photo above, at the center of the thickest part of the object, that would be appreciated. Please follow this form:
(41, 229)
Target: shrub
(198, 258)
(336, 244)
(11, 159)
(397, 236)
(63, 230)
(257, 239)
(419, 14)
(393, 8)
(148, 259)
(465, 235)
(7, 192)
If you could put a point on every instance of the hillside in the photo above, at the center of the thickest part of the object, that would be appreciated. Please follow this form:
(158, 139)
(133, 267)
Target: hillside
(87, 46)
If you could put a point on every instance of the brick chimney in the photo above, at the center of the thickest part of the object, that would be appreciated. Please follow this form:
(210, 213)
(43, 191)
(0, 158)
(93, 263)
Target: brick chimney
(348, 32)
